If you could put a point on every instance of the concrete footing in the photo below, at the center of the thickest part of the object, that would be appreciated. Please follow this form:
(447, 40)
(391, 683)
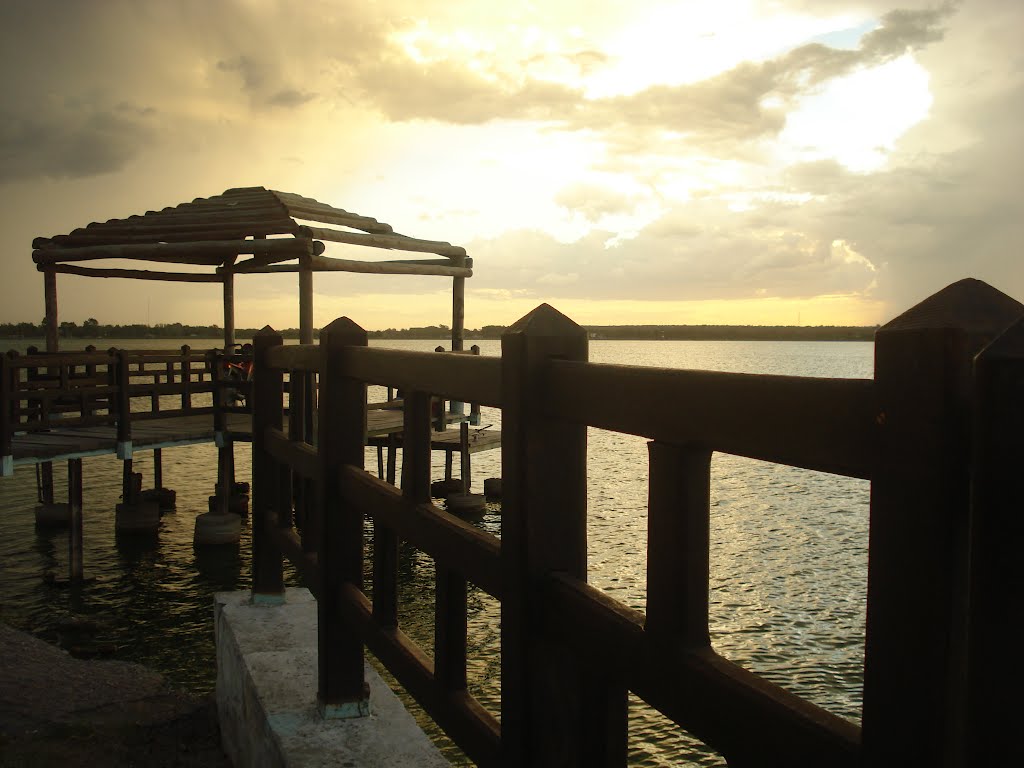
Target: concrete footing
(266, 695)
(466, 504)
(140, 517)
(53, 514)
(216, 528)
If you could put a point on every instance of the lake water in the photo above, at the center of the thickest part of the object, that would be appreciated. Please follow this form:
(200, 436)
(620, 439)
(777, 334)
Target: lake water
(788, 554)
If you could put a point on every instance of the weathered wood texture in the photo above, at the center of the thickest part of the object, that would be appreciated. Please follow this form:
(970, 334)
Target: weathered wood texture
(939, 440)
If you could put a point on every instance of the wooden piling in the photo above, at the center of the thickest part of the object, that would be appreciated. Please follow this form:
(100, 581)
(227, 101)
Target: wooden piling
(75, 539)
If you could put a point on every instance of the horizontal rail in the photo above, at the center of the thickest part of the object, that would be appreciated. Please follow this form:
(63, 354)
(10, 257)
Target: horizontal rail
(301, 457)
(724, 704)
(452, 542)
(461, 377)
(819, 424)
(202, 410)
(475, 729)
(295, 357)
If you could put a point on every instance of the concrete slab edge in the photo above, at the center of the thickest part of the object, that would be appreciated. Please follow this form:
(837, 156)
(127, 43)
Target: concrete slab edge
(266, 695)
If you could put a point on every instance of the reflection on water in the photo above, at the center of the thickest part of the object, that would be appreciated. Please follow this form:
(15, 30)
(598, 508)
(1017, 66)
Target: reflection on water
(788, 558)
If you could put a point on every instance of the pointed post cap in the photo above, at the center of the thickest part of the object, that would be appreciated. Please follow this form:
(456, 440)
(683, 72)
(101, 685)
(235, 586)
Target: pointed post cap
(970, 305)
(343, 331)
(545, 320)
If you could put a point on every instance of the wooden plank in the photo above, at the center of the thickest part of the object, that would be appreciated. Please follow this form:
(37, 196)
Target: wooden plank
(822, 424)
(461, 377)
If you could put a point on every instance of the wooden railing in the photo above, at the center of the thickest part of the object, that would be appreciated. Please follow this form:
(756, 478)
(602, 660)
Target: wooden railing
(936, 433)
(44, 391)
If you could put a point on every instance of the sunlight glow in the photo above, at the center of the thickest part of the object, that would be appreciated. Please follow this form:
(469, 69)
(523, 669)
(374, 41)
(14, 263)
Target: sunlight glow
(858, 119)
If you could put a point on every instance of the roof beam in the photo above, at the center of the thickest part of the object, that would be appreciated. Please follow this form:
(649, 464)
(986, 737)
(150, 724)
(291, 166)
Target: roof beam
(137, 274)
(209, 252)
(390, 242)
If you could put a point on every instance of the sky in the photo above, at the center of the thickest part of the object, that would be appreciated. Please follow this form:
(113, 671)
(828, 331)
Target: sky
(815, 162)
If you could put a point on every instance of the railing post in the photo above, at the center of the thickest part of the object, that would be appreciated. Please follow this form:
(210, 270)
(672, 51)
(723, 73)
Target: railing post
(997, 529)
(915, 650)
(545, 720)
(6, 418)
(267, 413)
(124, 408)
(341, 437)
(186, 377)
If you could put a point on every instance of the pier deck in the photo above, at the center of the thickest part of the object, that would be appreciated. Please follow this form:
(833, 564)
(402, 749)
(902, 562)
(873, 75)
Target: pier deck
(79, 442)
(76, 442)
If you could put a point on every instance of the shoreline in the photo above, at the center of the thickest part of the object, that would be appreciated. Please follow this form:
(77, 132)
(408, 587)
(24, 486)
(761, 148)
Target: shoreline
(56, 710)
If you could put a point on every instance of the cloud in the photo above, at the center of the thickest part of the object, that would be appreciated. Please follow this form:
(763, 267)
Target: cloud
(73, 140)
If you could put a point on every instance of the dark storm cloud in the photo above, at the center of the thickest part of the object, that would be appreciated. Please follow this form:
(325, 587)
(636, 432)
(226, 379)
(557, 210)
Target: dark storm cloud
(72, 140)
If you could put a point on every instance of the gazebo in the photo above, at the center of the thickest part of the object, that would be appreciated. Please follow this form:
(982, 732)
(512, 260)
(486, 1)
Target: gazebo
(271, 228)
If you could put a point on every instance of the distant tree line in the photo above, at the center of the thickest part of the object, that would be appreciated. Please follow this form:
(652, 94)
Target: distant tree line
(93, 329)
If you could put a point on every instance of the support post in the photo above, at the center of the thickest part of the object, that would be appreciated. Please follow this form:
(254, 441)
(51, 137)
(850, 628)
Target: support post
(124, 409)
(458, 312)
(267, 413)
(75, 542)
(6, 418)
(158, 469)
(997, 529)
(305, 301)
(52, 344)
(549, 710)
(918, 560)
(342, 691)
(50, 301)
(229, 311)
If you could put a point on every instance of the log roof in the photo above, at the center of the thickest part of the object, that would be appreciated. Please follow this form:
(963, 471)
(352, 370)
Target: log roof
(270, 227)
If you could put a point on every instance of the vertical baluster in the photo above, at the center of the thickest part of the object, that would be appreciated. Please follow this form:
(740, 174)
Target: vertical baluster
(677, 544)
